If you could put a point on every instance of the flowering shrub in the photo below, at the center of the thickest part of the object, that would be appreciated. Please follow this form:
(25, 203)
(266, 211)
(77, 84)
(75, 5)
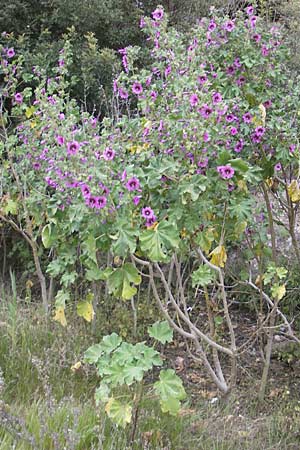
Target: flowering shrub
(181, 181)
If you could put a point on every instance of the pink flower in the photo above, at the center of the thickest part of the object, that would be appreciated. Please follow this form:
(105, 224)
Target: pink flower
(217, 98)
(137, 88)
(247, 117)
(72, 147)
(136, 199)
(264, 50)
(193, 99)
(226, 172)
(60, 140)
(108, 154)
(229, 26)
(122, 93)
(158, 14)
(133, 184)
(18, 98)
(10, 53)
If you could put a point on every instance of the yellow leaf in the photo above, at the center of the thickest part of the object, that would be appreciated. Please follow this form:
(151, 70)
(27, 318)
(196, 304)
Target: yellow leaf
(29, 112)
(119, 413)
(60, 316)
(263, 113)
(242, 186)
(29, 284)
(257, 121)
(258, 280)
(218, 256)
(294, 191)
(32, 124)
(278, 292)
(76, 366)
(86, 310)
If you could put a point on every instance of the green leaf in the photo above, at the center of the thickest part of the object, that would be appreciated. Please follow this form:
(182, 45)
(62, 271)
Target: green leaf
(239, 164)
(110, 342)
(93, 354)
(119, 413)
(202, 276)
(170, 390)
(124, 240)
(11, 207)
(114, 373)
(150, 358)
(46, 236)
(89, 248)
(94, 274)
(102, 394)
(171, 406)
(61, 298)
(161, 331)
(133, 372)
(122, 281)
(157, 241)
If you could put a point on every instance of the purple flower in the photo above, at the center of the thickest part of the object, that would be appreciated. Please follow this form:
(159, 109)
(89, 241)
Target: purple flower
(168, 70)
(205, 111)
(253, 20)
(72, 147)
(240, 81)
(230, 70)
(257, 37)
(137, 88)
(153, 95)
(85, 190)
(239, 146)
(292, 148)
(277, 167)
(60, 140)
(133, 184)
(18, 98)
(229, 117)
(10, 53)
(264, 50)
(193, 99)
(250, 10)
(229, 26)
(217, 98)
(212, 25)
(202, 79)
(147, 212)
(100, 202)
(149, 222)
(206, 136)
(136, 199)
(226, 172)
(158, 14)
(122, 93)
(260, 131)
(233, 131)
(108, 154)
(247, 117)
(91, 201)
